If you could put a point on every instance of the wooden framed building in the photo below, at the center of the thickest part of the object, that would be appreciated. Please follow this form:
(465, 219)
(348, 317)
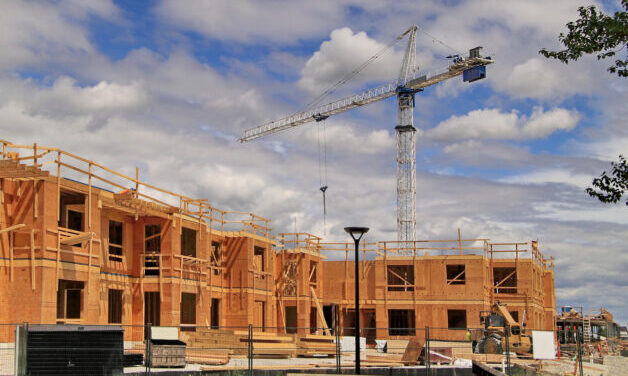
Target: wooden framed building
(82, 243)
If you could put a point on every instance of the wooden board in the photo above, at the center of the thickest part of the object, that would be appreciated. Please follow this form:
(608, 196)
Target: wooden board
(412, 352)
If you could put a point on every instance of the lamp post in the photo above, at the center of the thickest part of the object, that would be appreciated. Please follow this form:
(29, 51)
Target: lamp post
(356, 233)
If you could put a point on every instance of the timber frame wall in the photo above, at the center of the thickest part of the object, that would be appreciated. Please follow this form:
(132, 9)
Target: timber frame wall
(62, 217)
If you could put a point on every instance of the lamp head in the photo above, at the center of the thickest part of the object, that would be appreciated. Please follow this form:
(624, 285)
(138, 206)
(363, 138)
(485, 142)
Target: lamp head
(356, 232)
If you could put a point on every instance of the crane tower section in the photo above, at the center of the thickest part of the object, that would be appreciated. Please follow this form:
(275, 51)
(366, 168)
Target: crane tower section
(406, 167)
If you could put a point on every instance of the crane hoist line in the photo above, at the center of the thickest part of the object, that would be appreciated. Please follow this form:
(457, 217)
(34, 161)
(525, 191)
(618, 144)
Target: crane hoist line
(471, 67)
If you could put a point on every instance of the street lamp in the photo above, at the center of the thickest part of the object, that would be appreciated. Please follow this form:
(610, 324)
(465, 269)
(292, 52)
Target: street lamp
(356, 233)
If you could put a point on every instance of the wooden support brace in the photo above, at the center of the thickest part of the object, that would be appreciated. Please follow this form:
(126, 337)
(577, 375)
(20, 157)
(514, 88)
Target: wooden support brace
(33, 259)
(505, 279)
(319, 310)
(400, 277)
(88, 236)
(449, 282)
(12, 228)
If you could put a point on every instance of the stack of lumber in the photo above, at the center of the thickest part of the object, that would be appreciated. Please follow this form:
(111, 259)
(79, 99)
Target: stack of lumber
(267, 344)
(458, 349)
(223, 341)
(383, 361)
(397, 346)
(316, 344)
(487, 358)
(207, 356)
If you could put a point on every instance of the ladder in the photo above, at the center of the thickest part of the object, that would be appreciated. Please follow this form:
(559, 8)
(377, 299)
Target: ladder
(586, 329)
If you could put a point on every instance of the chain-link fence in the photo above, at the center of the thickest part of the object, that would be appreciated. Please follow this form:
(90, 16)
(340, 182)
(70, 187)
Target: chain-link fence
(146, 349)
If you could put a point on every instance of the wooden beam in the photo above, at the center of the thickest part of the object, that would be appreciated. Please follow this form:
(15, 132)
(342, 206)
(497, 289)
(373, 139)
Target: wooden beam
(12, 228)
(78, 238)
(319, 310)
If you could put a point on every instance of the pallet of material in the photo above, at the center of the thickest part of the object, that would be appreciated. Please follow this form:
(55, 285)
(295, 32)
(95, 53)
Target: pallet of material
(315, 344)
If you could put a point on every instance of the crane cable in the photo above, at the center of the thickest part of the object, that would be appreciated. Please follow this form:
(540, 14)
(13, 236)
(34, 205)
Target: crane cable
(322, 171)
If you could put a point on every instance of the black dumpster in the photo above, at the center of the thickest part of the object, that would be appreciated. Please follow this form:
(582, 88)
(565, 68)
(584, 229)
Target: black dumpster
(74, 350)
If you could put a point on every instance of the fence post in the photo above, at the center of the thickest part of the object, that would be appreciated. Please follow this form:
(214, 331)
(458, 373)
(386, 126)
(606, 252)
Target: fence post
(250, 348)
(337, 333)
(507, 330)
(147, 348)
(579, 350)
(428, 366)
(21, 338)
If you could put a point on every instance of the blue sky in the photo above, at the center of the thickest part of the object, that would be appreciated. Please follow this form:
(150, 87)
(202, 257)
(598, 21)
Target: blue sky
(173, 84)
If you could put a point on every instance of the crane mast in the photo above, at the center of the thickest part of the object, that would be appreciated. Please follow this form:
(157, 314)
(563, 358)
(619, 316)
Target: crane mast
(406, 147)
(472, 68)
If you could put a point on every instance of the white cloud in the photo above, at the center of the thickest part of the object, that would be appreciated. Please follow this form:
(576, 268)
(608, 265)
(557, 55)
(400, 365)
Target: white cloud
(342, 53)
(349, 139)
(553, 175)
(546, 79)
(497, 125)
(102, 96)
(253, 21)
(37, 33)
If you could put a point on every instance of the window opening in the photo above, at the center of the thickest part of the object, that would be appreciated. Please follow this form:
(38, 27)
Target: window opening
(215, 318)
(188, 309)
(401, 322)
(69, 299)
(152, 308)
(115, 306)
(400, 277)
(505, 280)
(456, 275)
(188, 242)
(72, 209)
(456, 319)
(152, 245)
(258, 259)
(115, 240)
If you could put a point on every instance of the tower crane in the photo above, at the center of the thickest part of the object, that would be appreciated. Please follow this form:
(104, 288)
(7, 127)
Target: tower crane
(472, 68)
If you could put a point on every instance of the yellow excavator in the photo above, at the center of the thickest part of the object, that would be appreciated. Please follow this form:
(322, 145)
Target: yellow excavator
(493, 336)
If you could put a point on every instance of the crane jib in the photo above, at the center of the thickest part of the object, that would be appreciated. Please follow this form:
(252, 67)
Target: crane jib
(369, 96)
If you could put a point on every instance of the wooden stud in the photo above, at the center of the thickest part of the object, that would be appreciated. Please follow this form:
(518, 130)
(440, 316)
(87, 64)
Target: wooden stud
(89, 197)
(57, 261)
(58, 186)
(10, 234)
(35, 201)
(33, 259)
